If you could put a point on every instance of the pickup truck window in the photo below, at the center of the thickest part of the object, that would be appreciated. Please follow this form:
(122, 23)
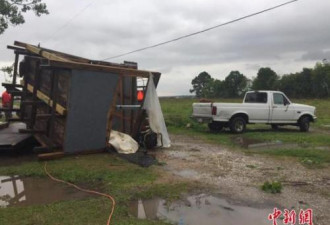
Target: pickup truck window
(280, 99)
(256, 97)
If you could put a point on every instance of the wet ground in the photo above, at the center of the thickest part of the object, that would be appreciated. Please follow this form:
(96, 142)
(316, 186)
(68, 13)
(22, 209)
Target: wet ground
(255, 144)
(16, 191)
(200, 209)
(239, 176)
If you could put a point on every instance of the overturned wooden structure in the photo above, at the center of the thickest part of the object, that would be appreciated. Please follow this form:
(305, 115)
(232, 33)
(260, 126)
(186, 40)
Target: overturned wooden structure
(71, 104)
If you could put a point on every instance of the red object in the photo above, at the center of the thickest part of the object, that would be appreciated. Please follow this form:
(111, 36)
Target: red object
(306, 217)
(289, 217)
(274, 216)
(6, 99)
(140, 96)
(214, 110)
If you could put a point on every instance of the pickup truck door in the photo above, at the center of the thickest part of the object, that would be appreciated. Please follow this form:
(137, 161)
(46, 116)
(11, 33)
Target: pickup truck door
(282, 110)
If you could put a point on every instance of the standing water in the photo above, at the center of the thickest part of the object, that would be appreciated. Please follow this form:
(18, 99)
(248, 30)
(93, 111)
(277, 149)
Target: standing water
(200, 209)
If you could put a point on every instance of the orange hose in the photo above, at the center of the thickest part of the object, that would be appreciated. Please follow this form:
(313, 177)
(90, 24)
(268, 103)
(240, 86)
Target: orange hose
(85, 190)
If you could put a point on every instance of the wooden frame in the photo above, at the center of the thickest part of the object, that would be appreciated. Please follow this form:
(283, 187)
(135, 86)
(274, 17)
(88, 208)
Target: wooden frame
(32, 96)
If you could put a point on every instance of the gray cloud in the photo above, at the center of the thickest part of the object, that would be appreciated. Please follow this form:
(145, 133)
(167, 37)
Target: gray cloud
(286, 39)
(317, 55)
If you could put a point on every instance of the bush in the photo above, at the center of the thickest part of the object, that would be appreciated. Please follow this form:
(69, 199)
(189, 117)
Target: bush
(273, 187)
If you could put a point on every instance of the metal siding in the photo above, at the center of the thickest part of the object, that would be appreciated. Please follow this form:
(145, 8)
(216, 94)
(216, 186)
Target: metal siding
(90, 97)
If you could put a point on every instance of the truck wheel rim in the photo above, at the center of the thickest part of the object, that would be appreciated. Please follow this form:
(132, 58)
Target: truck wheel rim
(239, 126)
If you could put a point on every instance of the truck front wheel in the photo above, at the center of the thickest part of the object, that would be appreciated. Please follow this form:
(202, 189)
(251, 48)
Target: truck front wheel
(237, 125)
(304, 124)
(215, 126)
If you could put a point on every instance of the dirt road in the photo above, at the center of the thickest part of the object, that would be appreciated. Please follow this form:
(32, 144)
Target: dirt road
(238, 175)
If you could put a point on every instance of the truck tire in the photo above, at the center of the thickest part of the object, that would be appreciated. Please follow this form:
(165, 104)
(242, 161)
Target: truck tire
(237, 125)
(215, 126)
(304, 124)
(274, 126)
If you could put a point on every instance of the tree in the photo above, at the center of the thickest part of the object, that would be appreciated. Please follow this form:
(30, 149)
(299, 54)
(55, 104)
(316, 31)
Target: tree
(202, 85)
(8, 71)
(288, 84)
(321, 80)
(11, 11)
(266, 79)
(235, 84)
(218, 88)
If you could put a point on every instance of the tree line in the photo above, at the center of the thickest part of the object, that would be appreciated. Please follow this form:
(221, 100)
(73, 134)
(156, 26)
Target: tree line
(309, 83)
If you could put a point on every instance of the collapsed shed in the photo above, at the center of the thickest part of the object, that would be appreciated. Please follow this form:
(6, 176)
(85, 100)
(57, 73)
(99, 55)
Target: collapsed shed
(71, 104)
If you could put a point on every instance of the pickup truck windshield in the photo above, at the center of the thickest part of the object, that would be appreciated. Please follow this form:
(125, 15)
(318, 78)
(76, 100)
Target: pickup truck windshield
(256, 97)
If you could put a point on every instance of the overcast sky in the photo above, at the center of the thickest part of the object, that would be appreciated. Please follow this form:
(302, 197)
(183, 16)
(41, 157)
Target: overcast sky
(286, 39)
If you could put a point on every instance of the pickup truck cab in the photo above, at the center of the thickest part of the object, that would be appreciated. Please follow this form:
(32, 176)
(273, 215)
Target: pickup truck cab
(267, 107)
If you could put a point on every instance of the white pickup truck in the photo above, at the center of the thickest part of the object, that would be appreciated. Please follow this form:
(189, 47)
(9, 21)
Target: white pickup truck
(267, 107)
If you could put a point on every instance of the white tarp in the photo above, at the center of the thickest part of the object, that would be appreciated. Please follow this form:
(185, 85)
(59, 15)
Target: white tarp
(123, 143)
(155, 114)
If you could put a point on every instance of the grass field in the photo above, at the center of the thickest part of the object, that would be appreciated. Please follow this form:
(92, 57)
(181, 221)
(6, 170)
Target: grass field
(103, 172)
(312, 147)
(126, 181)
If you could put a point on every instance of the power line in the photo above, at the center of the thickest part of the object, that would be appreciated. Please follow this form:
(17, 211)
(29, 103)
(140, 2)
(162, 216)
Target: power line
(201, 31)
(70, 20)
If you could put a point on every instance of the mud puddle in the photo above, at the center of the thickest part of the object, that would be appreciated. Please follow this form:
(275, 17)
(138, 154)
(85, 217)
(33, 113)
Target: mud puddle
(250, 143)
(16, 191)
(140, 158)
(200, 209)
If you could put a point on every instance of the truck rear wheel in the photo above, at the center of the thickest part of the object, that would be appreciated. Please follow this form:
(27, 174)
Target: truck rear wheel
(215, 126)
(274, 126)
(237, 125)
(304, 124)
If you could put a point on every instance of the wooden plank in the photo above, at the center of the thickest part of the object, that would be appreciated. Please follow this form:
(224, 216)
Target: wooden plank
(58, 59)
(56, 53)
(101, 68)
(111, 112)
(12, 85)
(122, 102)
(15, 48)
(30, 131)
(59, 109)
(30, 102)
(18, 120)
(44, 141)
(40, 52)
(15, 68)
(53, 107)
(35, 97)
(12, 110)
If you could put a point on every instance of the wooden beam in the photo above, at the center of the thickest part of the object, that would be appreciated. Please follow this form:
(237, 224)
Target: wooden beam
(30, 131)
(101, 68)
(59, 109)
(111, 111)
(10, 110)
(9, 85)
(41, 52)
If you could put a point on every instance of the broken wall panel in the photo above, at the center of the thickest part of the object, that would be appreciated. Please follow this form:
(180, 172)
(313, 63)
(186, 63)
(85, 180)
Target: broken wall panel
(88, 106)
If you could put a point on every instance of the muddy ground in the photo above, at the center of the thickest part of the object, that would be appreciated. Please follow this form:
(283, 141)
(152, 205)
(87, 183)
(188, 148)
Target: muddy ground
(238, 176)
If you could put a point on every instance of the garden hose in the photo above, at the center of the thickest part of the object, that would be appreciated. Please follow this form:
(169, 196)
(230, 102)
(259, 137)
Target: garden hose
(85, 190)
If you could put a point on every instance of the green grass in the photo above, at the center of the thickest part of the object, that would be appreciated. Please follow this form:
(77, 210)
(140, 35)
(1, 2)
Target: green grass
(103, 172)
(272, 187)
(177, 114)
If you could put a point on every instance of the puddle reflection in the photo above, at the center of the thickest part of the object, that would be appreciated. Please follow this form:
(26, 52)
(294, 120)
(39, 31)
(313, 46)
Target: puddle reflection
(16, 191)
(199, 209)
